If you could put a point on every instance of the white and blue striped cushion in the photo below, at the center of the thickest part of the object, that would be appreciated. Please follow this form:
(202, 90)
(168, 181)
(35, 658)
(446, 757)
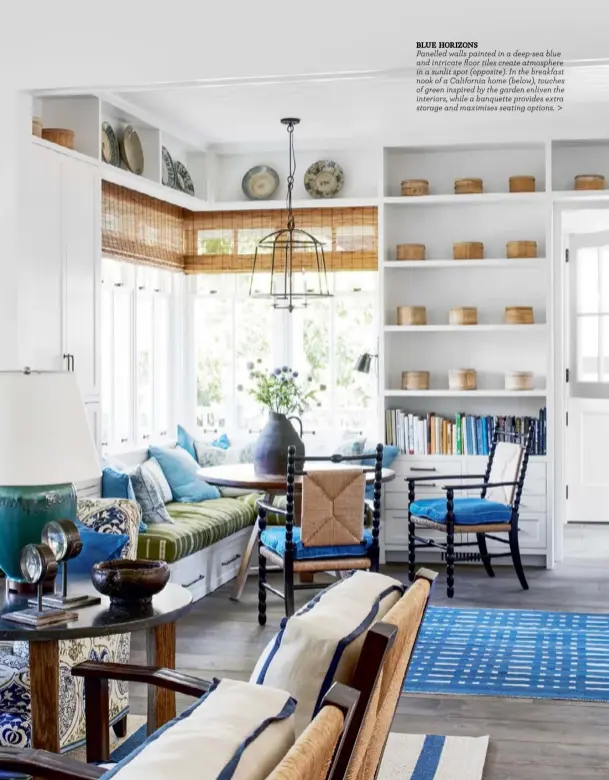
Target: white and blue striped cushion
(237, 731)
(320, 644)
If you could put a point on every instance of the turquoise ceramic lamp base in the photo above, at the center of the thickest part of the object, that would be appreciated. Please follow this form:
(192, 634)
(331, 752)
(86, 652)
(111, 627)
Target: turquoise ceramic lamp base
(24, 511)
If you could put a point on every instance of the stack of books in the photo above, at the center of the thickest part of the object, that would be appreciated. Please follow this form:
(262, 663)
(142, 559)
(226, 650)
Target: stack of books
(466, 434)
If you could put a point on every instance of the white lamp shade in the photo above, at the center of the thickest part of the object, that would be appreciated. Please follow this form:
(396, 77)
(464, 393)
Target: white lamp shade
(45, 437)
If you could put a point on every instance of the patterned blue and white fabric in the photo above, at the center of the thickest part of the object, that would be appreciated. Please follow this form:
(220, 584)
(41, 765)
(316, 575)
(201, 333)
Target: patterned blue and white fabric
(114, 516)
(430, 757)
(149, 495)
(467, 511)
(522, 653)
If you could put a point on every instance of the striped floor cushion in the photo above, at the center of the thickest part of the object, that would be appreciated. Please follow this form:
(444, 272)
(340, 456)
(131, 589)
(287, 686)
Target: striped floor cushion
(195, 527)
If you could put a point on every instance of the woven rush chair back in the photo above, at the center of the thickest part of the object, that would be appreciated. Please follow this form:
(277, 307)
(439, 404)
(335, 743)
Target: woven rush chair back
(407, 616)
(333, 507)
(310, 758)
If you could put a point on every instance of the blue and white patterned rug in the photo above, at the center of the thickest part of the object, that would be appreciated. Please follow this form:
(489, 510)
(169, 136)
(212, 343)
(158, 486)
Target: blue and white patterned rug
(501, 652)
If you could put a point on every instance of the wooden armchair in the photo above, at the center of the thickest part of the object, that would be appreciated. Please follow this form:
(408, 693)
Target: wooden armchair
(345, 740)
(330, 534)
(494, 511)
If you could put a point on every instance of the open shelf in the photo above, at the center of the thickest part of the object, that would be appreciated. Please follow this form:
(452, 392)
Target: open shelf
(500, 328)
(465, 393)
(454, 200)
(299, 203)
(153, 189)
(491, 262)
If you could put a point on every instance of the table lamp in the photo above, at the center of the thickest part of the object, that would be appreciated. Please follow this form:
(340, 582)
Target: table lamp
(47, 446)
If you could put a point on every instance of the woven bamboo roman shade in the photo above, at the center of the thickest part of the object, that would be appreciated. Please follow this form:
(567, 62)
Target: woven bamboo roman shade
(142, 229)
(225, 241)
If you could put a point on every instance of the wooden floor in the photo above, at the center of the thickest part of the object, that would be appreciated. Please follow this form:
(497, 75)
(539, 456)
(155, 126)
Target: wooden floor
(529, 739)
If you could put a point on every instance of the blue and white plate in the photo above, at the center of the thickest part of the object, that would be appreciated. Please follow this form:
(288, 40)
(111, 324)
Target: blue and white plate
(109, 148)
(183, 180)
(324, 179)
(169, 169)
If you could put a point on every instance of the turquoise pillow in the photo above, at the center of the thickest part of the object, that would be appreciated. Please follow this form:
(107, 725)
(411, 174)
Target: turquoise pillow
(97, 546)
(390, 453)
(180, 469)
(186, 441)
(222, 441)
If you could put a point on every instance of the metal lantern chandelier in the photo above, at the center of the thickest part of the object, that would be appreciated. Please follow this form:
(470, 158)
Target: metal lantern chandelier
(297, 259)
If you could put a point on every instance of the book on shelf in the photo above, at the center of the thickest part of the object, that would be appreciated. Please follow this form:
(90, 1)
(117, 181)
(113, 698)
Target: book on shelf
(465, 434)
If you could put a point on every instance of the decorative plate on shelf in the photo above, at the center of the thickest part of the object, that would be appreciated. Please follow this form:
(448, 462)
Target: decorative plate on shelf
(183, 180)
(169, 169)
(131, 150)
(260, 183)
(109, 149)
(324, 179)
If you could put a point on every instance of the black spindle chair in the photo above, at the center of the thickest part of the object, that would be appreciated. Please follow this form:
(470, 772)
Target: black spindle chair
(494, 512)
(281, 545)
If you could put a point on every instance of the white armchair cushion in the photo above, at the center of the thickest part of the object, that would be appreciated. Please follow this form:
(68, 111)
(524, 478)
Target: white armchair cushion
(320, 644)
(237, 731)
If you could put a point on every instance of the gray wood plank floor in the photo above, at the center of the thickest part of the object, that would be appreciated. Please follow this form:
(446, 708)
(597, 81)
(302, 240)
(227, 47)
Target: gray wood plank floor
(529, 739)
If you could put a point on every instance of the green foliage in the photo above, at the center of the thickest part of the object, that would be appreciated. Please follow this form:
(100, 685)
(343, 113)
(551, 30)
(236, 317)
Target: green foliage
(280, 391)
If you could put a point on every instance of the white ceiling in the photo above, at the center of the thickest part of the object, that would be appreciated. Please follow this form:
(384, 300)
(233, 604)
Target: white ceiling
(352, 108)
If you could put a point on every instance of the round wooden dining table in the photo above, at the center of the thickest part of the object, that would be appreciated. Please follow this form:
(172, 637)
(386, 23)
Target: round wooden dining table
(242, 476)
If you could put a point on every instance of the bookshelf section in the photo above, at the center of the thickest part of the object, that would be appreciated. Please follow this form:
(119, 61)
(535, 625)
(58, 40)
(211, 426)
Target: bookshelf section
(440, 428)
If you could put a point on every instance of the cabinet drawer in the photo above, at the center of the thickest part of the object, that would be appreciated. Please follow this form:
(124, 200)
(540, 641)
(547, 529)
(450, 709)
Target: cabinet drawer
(396, 530)
(424, 467)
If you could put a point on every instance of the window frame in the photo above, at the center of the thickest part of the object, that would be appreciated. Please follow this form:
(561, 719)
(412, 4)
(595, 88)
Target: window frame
(282, 346)
(131, 285)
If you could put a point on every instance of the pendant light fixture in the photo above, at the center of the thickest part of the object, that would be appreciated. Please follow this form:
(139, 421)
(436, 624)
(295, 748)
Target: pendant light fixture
(297, 259)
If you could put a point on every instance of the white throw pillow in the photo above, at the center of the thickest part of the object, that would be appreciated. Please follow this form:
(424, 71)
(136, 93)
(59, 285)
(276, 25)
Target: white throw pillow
(238, 731)
(153, 468)
(321, 643)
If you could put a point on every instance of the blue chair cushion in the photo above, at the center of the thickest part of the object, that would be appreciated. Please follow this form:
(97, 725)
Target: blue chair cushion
(274, 539)
(467, 511)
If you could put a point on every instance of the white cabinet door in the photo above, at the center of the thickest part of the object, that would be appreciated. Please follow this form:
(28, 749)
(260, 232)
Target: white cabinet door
(81, 193)
(93, 410)
(42, 279)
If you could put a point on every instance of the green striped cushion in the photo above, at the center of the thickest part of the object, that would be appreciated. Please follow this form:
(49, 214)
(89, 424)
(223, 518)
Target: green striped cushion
(195, 527)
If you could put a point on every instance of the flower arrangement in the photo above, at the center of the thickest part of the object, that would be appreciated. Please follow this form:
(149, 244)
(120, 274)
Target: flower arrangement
(281, 391)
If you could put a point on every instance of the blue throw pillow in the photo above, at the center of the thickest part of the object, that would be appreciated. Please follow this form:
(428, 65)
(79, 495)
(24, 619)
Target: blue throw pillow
(117, 484)
(96, 547)
(390, 453)
(180, 469)
(186, 441)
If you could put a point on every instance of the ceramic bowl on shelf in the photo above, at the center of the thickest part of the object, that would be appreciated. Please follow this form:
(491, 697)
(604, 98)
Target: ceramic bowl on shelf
(260, 183)
(324, 179)
(131, 150)
(130, 583)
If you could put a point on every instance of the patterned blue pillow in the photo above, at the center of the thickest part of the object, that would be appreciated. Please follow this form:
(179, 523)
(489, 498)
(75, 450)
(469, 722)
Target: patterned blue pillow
(149, 497)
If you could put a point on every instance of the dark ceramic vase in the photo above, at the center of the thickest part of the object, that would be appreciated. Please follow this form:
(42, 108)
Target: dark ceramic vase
(271, 450)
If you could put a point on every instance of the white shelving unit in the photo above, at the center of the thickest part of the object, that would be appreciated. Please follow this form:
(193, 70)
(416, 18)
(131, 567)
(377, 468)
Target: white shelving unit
(440, 283)
(216, 174)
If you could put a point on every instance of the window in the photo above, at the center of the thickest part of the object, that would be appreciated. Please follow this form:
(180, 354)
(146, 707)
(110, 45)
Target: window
(136, 335)
(322, 341)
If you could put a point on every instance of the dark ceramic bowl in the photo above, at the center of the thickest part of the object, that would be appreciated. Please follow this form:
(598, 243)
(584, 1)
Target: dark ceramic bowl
(128, 582)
